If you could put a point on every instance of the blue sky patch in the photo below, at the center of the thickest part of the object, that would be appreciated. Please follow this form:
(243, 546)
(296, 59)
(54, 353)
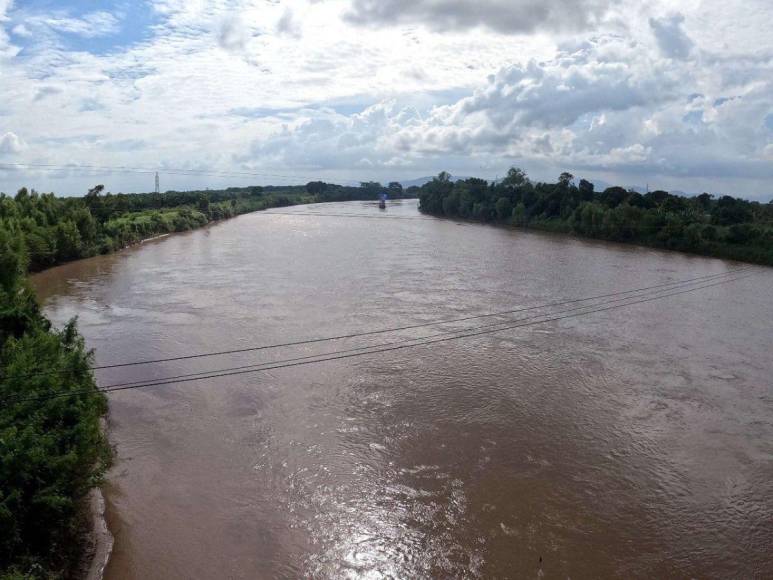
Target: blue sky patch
(81, 25)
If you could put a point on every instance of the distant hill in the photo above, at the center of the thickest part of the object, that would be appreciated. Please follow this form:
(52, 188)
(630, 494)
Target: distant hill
(422, 180)
(601, 185)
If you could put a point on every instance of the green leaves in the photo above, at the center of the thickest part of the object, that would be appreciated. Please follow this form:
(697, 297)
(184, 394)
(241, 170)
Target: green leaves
(725, 227)
(51, 451)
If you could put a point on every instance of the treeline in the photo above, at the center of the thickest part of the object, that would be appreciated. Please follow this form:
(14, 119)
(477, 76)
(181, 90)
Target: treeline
(367, 190)
(52, 450)
(56, 230)
(725, 227)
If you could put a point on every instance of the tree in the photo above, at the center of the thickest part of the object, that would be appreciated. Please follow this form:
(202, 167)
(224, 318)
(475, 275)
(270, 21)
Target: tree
(443, 177)
(657, 197)
(515, 177)
(613, 196)
(13, 256)
(565, 179)
(316, 187)
(709, 233)
(704, 199)
(519, 215)
(729, 211)
(203, 203)
(636, 199)
(87, 226)
(371, 189)
(95, 191)
(395, 189)
(504, 209)
(586, 190)
(68, 240)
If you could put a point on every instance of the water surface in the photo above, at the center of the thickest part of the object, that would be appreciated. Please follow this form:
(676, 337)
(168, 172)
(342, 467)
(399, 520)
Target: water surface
(633, 443)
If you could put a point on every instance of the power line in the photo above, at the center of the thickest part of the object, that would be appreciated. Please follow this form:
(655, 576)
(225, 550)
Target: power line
(376, 351)
(446, 339)
(415, 326)
(399, 328)
(391, 330)
(373, 346)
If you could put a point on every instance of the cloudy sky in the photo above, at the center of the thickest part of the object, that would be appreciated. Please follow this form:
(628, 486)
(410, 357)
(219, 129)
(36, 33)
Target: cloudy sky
(674, 94)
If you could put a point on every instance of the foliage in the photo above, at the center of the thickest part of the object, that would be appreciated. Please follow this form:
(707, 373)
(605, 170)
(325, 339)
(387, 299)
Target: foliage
(52, 451)
(727, 227)
(54, 230)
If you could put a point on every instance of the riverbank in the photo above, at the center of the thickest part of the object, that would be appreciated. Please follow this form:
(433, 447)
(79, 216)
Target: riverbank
(64, 244)
(97, 541)
(722, 252)
(727, 227)
(55, 230)
(52, 442)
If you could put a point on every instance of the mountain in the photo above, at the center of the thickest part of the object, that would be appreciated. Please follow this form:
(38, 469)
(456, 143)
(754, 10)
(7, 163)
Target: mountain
(418, 182)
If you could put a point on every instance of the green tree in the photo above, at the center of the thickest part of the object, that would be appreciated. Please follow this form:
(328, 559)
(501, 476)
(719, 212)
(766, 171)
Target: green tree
(504, 209)
(586, 190)
(68, 241)
(519, 214)
(515, 177)
(316, 187)
(395, 189)
(203, 203)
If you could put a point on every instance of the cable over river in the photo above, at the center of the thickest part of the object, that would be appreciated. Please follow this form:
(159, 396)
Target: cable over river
(630, 442)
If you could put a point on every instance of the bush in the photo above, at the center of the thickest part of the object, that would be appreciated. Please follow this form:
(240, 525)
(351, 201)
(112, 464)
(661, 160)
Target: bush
(51, 450)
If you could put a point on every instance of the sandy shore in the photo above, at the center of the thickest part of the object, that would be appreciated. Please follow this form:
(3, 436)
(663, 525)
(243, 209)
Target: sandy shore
(100, 540)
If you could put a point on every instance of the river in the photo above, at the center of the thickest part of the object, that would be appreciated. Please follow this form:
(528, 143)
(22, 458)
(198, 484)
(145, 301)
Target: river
(631, 443)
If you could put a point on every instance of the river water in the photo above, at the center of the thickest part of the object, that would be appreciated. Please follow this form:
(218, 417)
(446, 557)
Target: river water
(631, 443)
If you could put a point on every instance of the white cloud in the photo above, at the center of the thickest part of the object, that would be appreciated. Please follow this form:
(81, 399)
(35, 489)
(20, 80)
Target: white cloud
(46, 91)
(10, 143)
(506, 16)
(5, 6)
(21, 30)
(671, 37)
(608, 104)
(7, 50)
(233, 85)
(234, 35)
(288, 24)
(92, 25)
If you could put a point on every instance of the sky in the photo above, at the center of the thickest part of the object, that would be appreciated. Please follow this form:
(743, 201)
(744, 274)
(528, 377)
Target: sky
(673, 94)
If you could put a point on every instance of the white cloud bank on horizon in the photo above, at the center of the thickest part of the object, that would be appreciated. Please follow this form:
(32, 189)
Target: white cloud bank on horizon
(346, 90)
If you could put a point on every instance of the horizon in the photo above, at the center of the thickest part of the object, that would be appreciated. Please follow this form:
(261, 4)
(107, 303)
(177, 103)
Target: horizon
(599, 185)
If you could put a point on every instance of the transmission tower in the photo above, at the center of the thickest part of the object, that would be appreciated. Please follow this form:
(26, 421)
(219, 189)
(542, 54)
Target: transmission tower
(157, 189)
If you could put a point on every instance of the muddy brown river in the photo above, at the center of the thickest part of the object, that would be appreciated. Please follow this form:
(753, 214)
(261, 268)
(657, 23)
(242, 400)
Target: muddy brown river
(631, 443)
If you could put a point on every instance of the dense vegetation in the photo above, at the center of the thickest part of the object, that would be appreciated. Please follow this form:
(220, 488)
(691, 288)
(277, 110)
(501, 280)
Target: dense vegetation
(54, 230)
(52, 450)
(727, 227)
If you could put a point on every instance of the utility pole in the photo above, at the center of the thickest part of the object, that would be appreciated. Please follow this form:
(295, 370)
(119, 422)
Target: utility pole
(157, 188)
